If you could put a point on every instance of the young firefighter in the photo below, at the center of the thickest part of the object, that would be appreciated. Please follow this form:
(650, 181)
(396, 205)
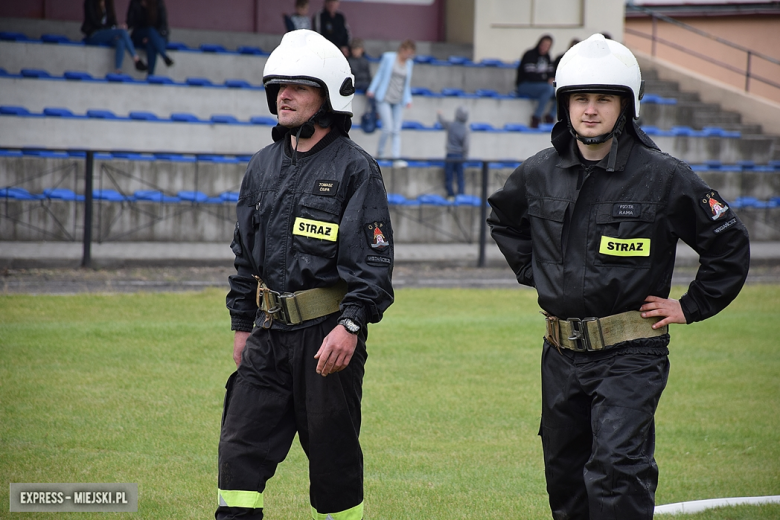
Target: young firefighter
(593, 225)
(314, 256)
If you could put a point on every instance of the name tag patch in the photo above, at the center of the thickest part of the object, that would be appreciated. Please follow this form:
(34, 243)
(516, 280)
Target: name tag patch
(626, 210)
(316, 229)
(624, 247)
(326, 188)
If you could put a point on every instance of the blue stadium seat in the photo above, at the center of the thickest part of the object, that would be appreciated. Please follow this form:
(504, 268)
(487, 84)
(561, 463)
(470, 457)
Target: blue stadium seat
(119, 78)
(199, 82)
(467, 200)
(77, 75)
(35, 73)
(486, 92)
(452, 92)
(422, 58)
(159, 80)
(211, 47)
(10, 153)
(422, 91)
(433, 199)
(253, 51)
(48, 154)
(109, 195)
(192, 196)
(746, 165)
(176, 46)
(491, 62)
(682, 131)
(244, 158)
(140, 115)
(218, 158)
(55, 38)
(482, 127)
(154, 196)
(458, 60)
(184, 117)
(395, 199)
(229, 196)
(11, 36)
(516, 127)
(262, 120)
(412, 125)
(57, 112)
(15, 193)
(101, 114)
(62, 194)
(237, 83)
(224, 119)
(11, 110)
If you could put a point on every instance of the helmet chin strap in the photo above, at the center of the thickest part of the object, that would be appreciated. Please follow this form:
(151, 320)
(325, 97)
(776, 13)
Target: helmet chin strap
(304, 131)
(603, 138)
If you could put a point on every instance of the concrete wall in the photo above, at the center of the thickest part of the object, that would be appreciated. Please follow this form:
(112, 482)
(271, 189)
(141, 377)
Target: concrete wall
(505, 29)
(757, 33)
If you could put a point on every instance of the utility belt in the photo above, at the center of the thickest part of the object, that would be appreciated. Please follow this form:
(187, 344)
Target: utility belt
(590, 334)
(300, 306)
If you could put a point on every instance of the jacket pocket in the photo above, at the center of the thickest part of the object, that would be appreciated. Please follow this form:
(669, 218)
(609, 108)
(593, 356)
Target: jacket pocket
(315, 226)
(624, 240)
(547, 216)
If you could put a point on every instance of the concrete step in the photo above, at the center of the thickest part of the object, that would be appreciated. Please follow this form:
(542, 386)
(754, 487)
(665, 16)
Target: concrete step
(145, 136)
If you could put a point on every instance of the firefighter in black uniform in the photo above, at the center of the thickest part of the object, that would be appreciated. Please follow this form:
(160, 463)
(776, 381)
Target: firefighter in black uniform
(314, 256)
(592, 224)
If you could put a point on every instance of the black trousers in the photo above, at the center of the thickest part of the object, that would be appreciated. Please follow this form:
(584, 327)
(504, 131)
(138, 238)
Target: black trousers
(598, 433)
(275, 393)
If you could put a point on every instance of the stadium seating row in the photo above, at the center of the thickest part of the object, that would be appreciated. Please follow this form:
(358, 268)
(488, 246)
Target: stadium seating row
(59, 39)
(707, 166)
(183, 117)
(112, 77)
(109, 195)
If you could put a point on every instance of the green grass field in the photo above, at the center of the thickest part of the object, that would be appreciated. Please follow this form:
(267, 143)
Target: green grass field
(129, 388)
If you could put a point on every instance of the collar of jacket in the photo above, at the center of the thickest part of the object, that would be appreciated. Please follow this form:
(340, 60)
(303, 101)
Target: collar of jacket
(321, 144)
(565, 145)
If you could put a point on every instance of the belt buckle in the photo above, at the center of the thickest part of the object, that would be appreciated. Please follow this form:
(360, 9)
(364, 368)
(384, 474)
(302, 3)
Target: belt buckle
(580, 335)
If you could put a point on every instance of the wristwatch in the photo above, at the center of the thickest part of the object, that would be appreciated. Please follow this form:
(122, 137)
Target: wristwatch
(350, 325)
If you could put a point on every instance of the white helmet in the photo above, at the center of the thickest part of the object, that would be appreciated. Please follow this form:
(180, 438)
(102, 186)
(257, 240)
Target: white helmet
(307, 58)
(599, 65)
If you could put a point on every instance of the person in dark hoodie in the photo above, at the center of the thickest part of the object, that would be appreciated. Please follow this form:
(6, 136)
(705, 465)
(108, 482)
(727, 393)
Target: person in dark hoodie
(458, 138)
(535, 80)
(148, 21)
(100, 27)
(593, 225)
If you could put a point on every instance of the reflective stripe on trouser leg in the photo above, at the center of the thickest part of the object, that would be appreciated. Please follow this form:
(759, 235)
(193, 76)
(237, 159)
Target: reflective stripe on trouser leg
(355, 513)
(233, 498)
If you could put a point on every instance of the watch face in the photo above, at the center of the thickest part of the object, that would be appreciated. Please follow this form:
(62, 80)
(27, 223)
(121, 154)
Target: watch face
(350, 325)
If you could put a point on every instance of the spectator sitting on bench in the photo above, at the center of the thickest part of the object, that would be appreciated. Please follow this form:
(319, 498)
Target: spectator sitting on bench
(100, 27)
(148, 20)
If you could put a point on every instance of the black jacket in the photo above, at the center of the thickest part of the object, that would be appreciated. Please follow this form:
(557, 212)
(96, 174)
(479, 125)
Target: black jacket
(93, 17)
(534, 67)
(556, 222)
(138, 17)
(334, 28)
(336, 182)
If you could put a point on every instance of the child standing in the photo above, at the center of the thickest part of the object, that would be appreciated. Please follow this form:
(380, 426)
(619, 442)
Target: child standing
(359, 65)
(458, 137)
(299, 20)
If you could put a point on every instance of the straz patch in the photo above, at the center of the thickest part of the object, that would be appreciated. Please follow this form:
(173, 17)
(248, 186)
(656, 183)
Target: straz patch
(626, 210)
(316, 229)
(376, 236)
(713, 205)
(624, 247)
(378, 261)
(326, 188)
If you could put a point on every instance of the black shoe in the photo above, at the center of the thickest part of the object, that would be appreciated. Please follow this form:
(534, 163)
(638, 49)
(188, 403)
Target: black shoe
(168, 61)
(534, 122)
(140, 65)
(549, 119)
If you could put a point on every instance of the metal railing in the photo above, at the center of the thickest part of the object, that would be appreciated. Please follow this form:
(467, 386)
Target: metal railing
(750, 55)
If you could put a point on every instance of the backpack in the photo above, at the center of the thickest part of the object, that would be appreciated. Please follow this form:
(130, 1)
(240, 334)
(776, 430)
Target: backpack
(369, 118)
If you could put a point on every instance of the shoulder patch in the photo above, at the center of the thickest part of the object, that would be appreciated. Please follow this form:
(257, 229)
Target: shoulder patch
(376, 236)
(713, 205)
(326, 188)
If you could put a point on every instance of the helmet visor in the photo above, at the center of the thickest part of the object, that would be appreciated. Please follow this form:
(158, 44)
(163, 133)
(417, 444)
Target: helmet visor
(296, 80)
